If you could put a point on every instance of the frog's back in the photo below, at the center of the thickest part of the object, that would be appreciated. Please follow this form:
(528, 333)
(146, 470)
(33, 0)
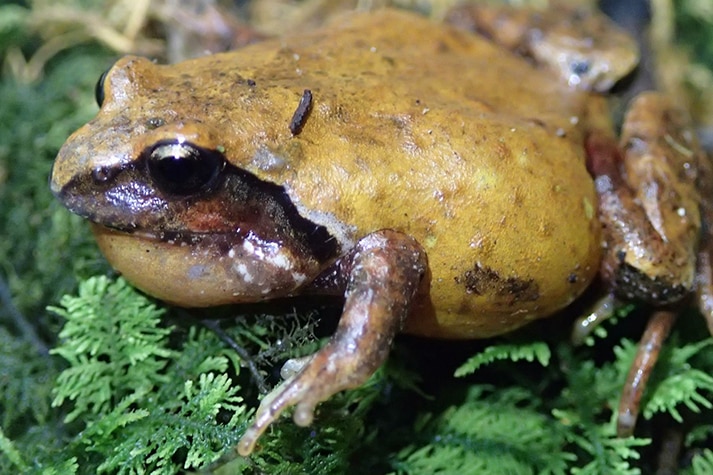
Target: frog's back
(444, 137)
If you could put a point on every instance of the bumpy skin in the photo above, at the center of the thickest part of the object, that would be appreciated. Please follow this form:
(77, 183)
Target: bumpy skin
(483, 165)
(439, 184)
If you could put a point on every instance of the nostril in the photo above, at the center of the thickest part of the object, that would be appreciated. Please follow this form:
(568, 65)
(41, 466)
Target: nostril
(101, 175)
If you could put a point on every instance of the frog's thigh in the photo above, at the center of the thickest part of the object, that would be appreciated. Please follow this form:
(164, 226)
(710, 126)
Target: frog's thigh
(651, 237)
(383, 273)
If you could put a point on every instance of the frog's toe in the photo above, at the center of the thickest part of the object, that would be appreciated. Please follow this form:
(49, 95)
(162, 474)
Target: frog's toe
(304, 413)
(314, 383)
(282, 397)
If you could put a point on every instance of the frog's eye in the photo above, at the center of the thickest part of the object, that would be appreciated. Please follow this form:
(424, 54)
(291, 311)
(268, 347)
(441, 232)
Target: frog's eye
(182, 168)
(99, 88)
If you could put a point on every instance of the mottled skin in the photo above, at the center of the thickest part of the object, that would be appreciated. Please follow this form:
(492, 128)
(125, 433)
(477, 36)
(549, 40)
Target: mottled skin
(384, 125)
(440, 184)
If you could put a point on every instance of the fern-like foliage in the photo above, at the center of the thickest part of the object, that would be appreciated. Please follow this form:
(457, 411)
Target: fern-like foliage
(151, 438)
(584, 407)
(674, 382)
(494, 432)
(114, 346)
(7, 447)
(514, 352)
(702, 463)
(144, 407)
(601, 450)
(65, 467)
(25, 382)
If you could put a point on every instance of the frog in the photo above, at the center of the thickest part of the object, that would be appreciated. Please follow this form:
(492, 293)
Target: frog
(444, 186)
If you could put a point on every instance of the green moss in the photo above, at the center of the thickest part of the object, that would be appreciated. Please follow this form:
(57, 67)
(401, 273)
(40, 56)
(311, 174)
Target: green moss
(133, 386)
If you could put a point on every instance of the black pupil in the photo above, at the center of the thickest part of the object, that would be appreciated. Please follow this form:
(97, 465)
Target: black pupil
(184, 169)
(99, 88)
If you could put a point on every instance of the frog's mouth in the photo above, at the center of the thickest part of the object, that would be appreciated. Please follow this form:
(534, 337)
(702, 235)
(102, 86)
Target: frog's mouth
(236, 206)
(170, 237)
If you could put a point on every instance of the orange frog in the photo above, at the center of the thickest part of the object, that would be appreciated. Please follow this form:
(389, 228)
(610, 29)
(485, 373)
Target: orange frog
(442, 184)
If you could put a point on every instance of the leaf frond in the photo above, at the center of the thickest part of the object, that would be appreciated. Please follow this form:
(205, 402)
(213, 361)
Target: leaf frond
(537, 350)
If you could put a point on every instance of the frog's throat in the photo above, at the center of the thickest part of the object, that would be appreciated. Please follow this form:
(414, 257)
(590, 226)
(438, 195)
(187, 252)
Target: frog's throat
(216, 270)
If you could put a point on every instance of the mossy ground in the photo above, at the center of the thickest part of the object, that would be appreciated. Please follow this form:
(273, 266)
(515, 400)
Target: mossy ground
(110, 381)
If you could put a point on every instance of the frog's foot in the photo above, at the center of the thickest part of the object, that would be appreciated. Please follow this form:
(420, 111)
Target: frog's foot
(317, 381)
(657, 330)
(602, 310)
(381, 276)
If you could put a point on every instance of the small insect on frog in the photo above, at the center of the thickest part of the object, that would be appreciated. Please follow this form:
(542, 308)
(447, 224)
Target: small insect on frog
(440, 183)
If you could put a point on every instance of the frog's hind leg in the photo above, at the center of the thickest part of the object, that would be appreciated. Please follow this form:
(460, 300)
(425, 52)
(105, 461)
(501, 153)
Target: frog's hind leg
(657, 330)
(381, 277)
(704, 287)
(704, 270)
(650, 207)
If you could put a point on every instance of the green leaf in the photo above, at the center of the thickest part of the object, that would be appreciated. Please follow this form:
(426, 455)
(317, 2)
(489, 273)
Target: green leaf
(113, 343)
(13, 20)
(491, 432)
(527, 351)
(148, 439)
(607, 452)
(702, 463)
(146, 408)
(67, 467)
(26, 380)
(10, 451)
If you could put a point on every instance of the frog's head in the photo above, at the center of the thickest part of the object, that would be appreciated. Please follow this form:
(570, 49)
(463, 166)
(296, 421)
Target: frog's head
(170, 211)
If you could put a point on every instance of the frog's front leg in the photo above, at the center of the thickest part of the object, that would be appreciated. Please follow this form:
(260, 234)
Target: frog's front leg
(382, 274)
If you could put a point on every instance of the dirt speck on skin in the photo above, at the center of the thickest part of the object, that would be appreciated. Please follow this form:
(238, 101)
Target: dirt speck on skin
(481, 280)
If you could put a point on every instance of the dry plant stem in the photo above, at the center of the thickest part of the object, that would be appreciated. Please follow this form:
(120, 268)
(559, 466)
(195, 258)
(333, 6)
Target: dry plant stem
(246, 358)
(31, 70)
(137, 19)
(19, 320)
(657, 330)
